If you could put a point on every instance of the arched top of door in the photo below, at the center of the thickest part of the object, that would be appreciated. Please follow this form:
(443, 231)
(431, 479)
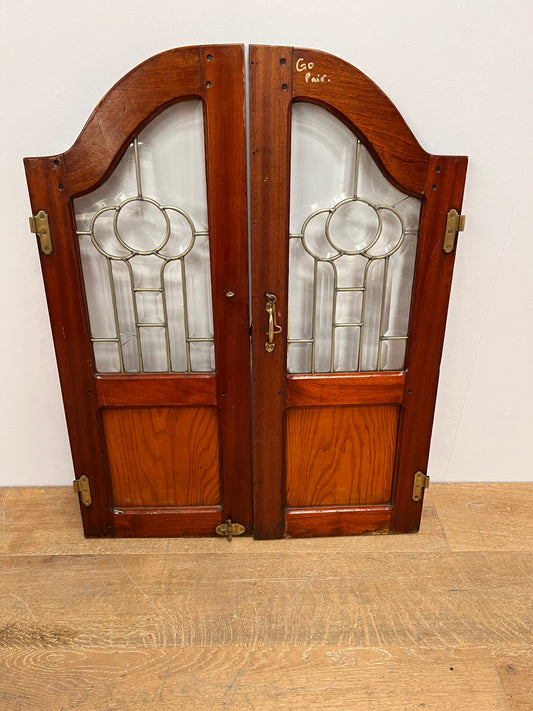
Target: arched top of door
(344, 90)
(199, 71)
(138, 97)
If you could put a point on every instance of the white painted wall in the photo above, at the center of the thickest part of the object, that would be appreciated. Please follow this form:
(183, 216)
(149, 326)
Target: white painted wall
(460, 72)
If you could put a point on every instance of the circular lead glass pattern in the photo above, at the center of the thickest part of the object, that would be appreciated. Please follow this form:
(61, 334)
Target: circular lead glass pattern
(142, 226)
(353, 226)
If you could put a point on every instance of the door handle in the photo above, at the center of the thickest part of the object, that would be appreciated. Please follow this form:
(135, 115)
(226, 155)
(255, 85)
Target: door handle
(273, 327)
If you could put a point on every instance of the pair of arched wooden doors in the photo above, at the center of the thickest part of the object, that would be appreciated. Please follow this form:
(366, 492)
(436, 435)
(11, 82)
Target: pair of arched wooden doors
(316, 418)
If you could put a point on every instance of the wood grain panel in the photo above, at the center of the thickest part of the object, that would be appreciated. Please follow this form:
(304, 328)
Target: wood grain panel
(336, 521)
(345, 389)
(155, 390)
(166, 456)
(340, 455)
(246, 678)
(515, 671)
(245, 593)
(167, 522)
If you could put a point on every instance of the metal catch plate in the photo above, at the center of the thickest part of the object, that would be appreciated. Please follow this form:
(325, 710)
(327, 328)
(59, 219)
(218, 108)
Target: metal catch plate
(39, 226)
(421, 482)
(81, 487)
(230, 529)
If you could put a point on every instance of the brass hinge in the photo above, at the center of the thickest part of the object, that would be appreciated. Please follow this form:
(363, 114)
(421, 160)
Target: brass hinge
(39, 226)
(421, 482)
(454, 223)
(230, 529)
(81, 487)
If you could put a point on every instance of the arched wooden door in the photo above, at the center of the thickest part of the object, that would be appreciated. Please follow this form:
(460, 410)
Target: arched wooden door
(348, 219)
(143, 233)
(147, 287)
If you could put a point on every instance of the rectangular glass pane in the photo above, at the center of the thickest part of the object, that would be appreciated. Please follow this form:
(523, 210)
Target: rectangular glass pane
(299, 357)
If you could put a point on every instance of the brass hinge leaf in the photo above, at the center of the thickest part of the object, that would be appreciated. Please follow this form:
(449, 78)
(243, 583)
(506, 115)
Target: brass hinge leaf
(39, 226)
(230, 529)
(420, 482)
(81, 487)
(454, 223)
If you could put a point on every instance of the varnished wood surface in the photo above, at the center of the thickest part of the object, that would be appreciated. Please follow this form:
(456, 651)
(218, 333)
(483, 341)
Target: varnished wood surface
(270, 72)
(155, 390)
(345, 389)
(336, 520)
(439, 620)
(374, 118)
(429, 309)
(225, 136)
(129, 105)
(154, 522)
(166, 456)
(340, 455)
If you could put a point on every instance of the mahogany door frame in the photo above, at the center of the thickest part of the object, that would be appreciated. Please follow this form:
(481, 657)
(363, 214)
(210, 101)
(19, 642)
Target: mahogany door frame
(280, 76)
(214, 74)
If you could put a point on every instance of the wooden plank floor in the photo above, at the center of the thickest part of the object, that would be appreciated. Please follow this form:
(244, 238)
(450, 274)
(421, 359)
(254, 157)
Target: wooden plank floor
(442, 619)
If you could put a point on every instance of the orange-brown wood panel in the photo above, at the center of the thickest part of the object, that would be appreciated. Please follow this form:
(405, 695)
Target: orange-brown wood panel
(336, 521)
(345, 389)
(340, 455)
(172, 521)
(155, 390)
(165, 456)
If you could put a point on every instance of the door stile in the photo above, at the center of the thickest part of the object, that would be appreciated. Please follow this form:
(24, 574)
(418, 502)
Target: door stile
(223, 94)
(49, 190)
(270, 97)
(433, 278)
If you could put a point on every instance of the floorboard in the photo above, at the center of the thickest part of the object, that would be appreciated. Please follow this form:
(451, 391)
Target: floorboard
(437, 620)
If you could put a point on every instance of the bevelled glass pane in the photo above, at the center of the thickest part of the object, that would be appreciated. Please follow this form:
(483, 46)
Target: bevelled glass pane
(347, 349)
(144, 249)
(393, 354)
(353, 240)
(106, 357)
(301, 298)
(299, 357)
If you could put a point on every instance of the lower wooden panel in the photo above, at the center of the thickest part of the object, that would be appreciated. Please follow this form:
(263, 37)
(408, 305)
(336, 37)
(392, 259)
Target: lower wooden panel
(168, 522)
(155, 390)
(345, 389)
(337, 521)
(340, 455)
(163, 456)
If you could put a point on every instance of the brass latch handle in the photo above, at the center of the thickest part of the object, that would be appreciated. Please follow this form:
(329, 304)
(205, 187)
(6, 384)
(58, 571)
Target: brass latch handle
(273, 327)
